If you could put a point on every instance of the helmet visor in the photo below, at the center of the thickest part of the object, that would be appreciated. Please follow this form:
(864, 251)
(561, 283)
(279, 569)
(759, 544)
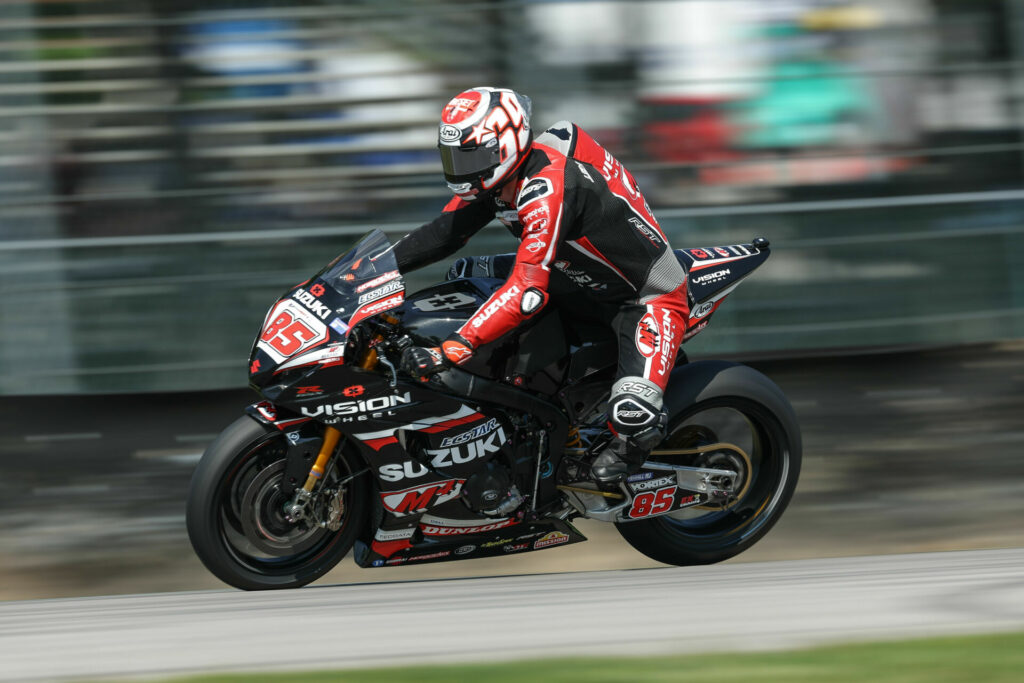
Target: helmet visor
(462, 164)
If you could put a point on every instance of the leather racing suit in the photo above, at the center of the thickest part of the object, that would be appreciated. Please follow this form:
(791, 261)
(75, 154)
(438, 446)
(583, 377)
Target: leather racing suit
(579, 214)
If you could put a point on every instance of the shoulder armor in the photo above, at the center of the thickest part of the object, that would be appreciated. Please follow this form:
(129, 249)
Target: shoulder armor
(561, 136)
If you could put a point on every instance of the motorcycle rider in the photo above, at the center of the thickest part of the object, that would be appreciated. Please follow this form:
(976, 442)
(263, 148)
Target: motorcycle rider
(579, 216)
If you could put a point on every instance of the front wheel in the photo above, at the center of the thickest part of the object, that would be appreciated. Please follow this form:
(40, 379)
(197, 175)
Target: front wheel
(735, 405)
(235, 514)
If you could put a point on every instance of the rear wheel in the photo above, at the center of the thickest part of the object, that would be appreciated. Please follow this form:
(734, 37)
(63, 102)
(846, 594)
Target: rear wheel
(235, 513)
(762, 441)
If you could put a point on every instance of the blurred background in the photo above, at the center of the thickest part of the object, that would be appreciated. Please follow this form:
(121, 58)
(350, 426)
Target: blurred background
(168, 167)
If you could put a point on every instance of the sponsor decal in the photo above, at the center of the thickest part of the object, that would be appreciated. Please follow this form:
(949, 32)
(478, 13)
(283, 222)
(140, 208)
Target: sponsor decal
(531, 302)
(319, 309)
(379, 306)
(583, 170)
(652, 484)
(267, 410)
(434, 530)
(387, 288)
(640, 476)
(495, 306)
(377, 563)
(532, 190)
(495, 543)
(647, 337)
(290, 329)
(317, 290)
(402, 470)
(431, 556)
(309, 390)
(548, 540)
(646, 231)
(444, 302)
(254, 368)
(377, 281)
(354, 390)
(467, 452)
(394, 534)
(711, 277)
(701, 310)
(470, 435)
(339, 326)
(461, 107)
(419, 498)
(722, 252)
(652, 503)
(695, 329)
(629, 413)
(515, 548)
(449, 133)
(580, 277)
(536, 245)
(699, 254)
(465, 549)
(378, 403)
(643, 389)
(397, 560)
(667, 342)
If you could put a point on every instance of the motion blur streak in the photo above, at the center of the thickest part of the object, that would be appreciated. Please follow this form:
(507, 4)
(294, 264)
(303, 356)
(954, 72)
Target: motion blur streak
(698, 609)
(165, 170)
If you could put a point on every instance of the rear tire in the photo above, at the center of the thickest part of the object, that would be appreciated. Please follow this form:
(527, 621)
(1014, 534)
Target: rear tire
(233, 517)
(727, 400)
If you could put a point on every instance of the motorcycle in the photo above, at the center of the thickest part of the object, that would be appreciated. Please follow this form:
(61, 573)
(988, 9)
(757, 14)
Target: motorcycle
(489, 458)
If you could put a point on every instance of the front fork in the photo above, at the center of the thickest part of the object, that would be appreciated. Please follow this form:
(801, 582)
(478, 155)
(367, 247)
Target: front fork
(295, 509)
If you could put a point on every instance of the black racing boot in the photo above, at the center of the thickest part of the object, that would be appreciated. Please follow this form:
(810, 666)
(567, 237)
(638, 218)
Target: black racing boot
(638, 420)
(618, 460)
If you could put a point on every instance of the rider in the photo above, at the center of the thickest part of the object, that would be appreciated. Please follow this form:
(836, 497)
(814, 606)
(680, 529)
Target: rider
(577, 210)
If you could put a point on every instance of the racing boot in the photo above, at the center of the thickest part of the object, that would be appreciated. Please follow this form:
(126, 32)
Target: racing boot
(638, 420)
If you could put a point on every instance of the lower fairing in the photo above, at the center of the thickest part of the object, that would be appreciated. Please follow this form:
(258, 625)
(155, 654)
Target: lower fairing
(508, 539)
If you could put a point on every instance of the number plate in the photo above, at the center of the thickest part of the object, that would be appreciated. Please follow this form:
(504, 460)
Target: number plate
(290, 329)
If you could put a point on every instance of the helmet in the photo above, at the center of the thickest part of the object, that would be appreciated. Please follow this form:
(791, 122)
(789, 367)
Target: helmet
(484, 137)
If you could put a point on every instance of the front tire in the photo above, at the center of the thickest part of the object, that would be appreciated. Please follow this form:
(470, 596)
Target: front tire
(724, 402)
(233, 513)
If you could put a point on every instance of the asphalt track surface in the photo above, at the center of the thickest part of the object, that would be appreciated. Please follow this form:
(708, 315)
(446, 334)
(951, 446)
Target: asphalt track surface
(752, 606)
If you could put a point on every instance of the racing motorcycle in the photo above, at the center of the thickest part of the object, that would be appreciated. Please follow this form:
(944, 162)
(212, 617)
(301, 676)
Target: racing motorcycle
(490, 458)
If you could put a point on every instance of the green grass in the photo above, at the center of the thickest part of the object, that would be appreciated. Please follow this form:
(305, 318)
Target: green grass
(974, 659)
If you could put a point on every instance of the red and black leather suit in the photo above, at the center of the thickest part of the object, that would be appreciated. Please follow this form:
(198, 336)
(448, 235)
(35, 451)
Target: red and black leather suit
(580, 218)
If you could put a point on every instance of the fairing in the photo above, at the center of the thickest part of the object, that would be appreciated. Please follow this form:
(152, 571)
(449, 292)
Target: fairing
(422, 441)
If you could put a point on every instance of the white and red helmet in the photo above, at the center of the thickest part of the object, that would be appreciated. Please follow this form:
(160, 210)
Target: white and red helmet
(484, 137)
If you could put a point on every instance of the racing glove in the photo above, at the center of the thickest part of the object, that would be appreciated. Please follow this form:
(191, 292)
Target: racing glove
(421, 362)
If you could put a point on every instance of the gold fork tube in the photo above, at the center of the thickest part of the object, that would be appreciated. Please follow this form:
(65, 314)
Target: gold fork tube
(331, 438)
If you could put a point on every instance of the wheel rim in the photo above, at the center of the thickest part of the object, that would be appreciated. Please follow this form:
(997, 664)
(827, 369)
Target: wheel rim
(756, 432)
(249, 521)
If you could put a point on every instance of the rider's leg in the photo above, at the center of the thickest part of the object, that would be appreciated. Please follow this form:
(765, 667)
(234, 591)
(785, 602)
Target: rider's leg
(649, 336)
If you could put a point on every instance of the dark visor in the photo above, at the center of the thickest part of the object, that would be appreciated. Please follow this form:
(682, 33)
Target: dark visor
(459, 163)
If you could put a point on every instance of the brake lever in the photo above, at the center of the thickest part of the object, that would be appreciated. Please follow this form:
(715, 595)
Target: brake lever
(393, 382)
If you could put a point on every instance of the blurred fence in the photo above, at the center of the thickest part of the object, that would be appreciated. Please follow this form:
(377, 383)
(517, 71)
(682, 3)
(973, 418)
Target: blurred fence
(167, 168)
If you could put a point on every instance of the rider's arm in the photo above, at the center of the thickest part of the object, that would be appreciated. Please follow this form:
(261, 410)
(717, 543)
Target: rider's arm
(540, 206)
(444, 235)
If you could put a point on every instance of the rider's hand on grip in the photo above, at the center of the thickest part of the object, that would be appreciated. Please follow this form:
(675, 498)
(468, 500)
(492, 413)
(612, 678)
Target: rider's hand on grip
(422, 362)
